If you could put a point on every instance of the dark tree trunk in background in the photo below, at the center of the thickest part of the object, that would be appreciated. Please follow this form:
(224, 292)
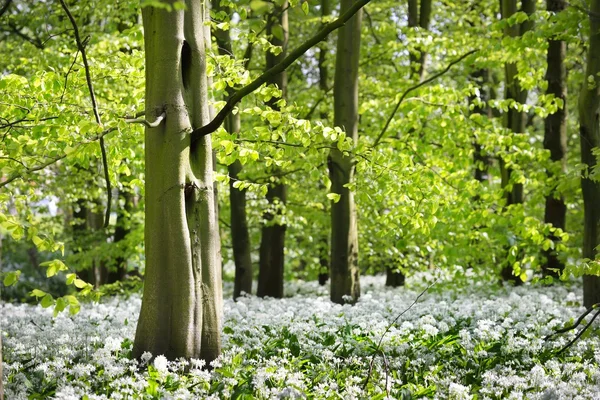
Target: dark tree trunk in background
(324, 86)
(1, 359)
(345, 284)
(394, 278)
(555, 139)
(589, 130)
(240, 236)
(481, 160)
(272, 244)
(419, 16)
(122, 229)
(514, 120)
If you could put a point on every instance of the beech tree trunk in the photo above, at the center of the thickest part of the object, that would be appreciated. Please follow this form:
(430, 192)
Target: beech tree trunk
(345, 285)
(122, 229)
(481, 160)
(272, 244)
(240, 236)
(555, 139)
(514, 119)
(182, 304)
(589, 132)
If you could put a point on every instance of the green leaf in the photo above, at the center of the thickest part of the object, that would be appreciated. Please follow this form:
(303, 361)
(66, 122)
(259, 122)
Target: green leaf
(11, 278)
(334, 197)
(260, 6)
(47, 301)
(277, 31)
(80, 284)
(37, 293)
(305, 7)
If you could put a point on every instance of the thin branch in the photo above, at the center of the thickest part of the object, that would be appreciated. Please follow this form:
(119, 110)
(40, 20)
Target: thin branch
(88, 77)
(5, 7)
(67, 76)
(576, 324)
(378, 348)
(415, 87)
(286, 62)
(146, 123)
(576, 338)
(19, 175)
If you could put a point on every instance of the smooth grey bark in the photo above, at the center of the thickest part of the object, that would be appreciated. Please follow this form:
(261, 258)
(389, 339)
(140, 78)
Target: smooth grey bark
(344, 236)
(555, 139)
(272, 242)
(240, 236)
(182, 304)
(589, 132)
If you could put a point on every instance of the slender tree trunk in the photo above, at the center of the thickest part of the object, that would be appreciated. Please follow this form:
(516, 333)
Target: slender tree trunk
(122, 229)
(272, 244)
(394, 278)
(589, 132)
(555, 138)
(481, 160)
(240, 236)
(324, 86)
(515, 120)
(344, 235)
(419, 16)
(182, 303)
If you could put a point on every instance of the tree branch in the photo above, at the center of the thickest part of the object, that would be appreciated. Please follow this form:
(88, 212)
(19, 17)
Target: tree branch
(286, 62)
(19, 175)
(415, 87)
(146, 123)
(88, 77)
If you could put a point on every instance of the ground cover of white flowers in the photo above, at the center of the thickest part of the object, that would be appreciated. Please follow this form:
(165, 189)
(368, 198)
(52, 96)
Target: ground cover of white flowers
(482, 342)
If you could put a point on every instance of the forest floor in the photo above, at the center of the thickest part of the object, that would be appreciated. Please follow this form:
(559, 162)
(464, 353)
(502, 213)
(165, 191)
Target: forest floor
(480, 341)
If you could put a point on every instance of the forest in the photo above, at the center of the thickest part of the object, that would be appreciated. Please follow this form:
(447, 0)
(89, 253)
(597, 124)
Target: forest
(299, 199)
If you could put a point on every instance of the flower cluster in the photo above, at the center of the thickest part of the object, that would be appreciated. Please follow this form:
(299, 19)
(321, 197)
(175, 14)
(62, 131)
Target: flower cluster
(484, 342)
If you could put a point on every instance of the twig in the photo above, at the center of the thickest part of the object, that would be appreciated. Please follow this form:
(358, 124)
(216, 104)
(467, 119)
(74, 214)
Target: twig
(286, 62)
(576, 324)
(146, 123)
(579, 334)
(54, 160)
(415, 87)
(67, 76)
(81, 47)
(378, 348)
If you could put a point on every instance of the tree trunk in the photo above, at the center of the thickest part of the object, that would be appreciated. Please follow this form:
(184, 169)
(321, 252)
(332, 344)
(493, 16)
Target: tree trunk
(345, 285)
(272, 243)
(419, 16)
(240, 236)
(394, 278)
(323, 246)
(589, 130)
(515, 120)
(122, 229)
(481, 160)
(182, 303)
(555, 139)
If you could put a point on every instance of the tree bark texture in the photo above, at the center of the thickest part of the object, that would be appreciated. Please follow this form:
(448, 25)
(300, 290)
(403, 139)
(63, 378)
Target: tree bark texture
(182, 304)
(589, 133)
(344, 235)
(240, 236)
(555, 138)
(272, 243)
